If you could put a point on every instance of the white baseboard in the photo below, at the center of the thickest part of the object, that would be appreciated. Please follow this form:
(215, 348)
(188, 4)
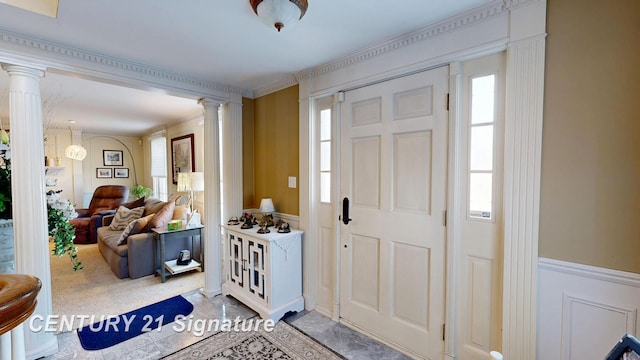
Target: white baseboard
(584, 310)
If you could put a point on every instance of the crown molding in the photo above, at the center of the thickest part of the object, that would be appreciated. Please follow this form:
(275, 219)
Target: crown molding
(495, 8)
(26, 49)
(513, 4)
(283, 83)
(482, 13)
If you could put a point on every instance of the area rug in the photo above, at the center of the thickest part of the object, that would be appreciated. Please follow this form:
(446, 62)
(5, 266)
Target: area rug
(114, 330)
(283, 343)
(96, 291)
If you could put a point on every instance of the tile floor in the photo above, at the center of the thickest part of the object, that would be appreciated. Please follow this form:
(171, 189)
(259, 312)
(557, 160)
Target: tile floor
(156, 344)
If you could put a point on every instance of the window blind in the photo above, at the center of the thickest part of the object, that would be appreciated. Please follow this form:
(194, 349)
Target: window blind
(159, 156)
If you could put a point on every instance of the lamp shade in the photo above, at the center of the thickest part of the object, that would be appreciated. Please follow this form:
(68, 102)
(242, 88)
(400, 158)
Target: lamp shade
(266, 205)
(75, 152)
(279, 13)
(190, 181)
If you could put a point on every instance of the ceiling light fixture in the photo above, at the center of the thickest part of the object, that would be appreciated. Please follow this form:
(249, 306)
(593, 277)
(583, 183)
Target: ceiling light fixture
(75, 152)
(279, 13)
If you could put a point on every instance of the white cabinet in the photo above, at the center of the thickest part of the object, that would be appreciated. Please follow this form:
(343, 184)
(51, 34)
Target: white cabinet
(264, 271)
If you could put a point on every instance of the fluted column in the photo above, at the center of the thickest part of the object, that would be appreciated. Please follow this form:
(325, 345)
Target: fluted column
(522, 166)
(213, 277)
(28, 193)
(232, 158)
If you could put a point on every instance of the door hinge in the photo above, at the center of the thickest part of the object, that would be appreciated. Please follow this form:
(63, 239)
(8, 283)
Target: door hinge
(445, 218)
(444, 327)
(447, 101)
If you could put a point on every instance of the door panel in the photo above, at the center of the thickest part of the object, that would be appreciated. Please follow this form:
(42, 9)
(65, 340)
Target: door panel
(412, 183)
(365, 271)
(393, 169)
(366, 172)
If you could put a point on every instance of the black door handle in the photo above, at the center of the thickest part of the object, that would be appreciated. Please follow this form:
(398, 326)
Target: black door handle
(345, 211)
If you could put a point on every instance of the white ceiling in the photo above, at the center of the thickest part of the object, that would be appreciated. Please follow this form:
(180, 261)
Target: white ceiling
(218, 41)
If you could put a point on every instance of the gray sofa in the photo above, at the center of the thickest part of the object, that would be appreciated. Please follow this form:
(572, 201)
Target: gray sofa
(134, 258)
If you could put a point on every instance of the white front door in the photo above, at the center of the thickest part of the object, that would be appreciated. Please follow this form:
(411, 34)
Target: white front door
(393, 172)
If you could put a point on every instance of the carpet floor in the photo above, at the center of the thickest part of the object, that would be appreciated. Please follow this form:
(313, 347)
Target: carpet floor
(283, 343)
(97, 291)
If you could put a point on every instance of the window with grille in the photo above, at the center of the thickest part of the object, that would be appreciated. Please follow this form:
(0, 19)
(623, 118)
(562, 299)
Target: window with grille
(481, 146)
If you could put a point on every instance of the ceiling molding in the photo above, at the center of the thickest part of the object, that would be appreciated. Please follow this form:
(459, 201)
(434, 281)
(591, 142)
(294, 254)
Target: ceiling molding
(67, 58)
(513, 4)
(276, 86)
(468, 18)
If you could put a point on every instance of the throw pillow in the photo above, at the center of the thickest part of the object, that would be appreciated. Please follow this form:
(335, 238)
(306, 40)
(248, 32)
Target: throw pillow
(180, 212)
(153, 205)
(134, 204)
(179, 199)
(134, 227)
(124, 216)
(162, 217)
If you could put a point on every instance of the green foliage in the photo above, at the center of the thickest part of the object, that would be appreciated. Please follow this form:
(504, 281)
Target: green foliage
(5, 176)
(141, 191)
(59, 211)
(63, 234)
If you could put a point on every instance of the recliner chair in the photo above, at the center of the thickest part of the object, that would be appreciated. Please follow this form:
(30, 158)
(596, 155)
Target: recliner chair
(106, 197)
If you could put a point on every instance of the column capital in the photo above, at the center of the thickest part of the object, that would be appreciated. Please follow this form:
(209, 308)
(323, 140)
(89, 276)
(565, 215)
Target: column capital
(23, 70)
(208, 103)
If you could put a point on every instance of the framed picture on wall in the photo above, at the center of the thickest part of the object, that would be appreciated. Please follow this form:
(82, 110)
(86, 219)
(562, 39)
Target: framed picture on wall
(103, 173)
(182, 155)
(112, 157)
(121, 172)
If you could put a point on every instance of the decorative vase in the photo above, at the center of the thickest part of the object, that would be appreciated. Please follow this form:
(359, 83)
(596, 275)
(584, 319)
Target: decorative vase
(7, 252)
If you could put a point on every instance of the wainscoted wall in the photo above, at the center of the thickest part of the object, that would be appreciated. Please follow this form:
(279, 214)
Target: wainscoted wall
(584, 310)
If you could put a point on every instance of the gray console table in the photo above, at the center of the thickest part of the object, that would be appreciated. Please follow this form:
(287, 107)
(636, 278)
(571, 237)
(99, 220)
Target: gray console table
(161, 235)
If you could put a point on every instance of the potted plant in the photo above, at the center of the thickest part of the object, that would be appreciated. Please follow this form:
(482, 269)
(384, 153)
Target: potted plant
(140, 191)
(59, 212)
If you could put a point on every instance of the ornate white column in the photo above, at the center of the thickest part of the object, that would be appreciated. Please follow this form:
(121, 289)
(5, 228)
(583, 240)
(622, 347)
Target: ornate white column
(212, 262)
(232, 158)
(28, 193)
(522, 154)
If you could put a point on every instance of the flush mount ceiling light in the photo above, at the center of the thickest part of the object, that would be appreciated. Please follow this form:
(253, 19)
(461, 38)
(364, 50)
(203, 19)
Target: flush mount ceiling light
(279, 13)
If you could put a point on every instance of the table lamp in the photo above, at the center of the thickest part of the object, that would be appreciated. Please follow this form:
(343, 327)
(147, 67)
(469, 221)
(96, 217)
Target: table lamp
(266, 206)
(190, 182)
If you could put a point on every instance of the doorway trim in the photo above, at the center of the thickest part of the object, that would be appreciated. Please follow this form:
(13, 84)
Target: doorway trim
(517, 26)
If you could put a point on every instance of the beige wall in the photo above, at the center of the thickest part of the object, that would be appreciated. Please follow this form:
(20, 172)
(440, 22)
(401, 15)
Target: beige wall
(276, 149)
(95, 144)
(590, 198)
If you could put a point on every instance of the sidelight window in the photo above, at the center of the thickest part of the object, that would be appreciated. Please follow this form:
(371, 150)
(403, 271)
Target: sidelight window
(481, 146)
(325, 155)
